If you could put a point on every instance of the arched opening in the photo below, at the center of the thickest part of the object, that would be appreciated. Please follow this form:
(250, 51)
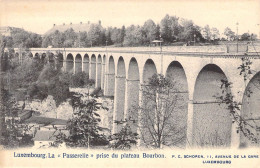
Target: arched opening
(149, 70)
(44, 58)
(98, 70)
(92, 74)
(178, 105)
(250, 110)
(69, 63)
(132, 93)
(36, 55)
(211, 119)
(86, 64)
(119, 102)
(30, 55)
(78, 63)
(36, 59)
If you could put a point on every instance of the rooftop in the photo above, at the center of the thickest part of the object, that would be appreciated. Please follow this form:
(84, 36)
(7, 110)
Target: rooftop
(46, 121)
(47, 135)
(81, 27)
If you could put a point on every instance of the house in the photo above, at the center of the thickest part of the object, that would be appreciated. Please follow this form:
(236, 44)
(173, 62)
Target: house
(46, 138)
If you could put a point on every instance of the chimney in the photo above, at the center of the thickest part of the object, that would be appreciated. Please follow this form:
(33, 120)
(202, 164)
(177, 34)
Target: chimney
(88, 22)
(80, 22)
(70, 23)
(99, 22)
(63, 24)
(53, 25)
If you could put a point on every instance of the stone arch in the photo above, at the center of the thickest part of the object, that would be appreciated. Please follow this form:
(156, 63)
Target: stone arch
(92, 73)
(132, 93)
(212, 123)
(44, 57)
(70, 63)
(35, 55)
(149, 70)
(111, 77)
(180, 95)
(98, 70)
(30, 54)
(78, 63)
(86, 64)
(119, 102)
(250, 109)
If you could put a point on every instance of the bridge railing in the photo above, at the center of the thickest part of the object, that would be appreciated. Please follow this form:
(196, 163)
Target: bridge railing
(178, 49)
(170, 49)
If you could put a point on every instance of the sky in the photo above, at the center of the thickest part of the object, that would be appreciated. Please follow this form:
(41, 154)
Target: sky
(39, 16)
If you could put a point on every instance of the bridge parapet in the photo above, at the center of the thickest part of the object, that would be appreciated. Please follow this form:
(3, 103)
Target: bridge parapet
(169, 49)
(177, 49)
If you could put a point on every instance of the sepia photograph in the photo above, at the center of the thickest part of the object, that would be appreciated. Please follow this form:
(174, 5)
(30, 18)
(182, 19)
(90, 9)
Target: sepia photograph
(130, 83)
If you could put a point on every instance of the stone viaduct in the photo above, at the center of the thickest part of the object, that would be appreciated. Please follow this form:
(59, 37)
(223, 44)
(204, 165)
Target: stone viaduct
(198, 72)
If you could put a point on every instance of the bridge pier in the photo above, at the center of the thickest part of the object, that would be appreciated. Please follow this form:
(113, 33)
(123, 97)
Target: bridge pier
(110, 83)
(189, 133)
(132, 102)
(64, 65)
(78, 66)
(103, 75)
(119, 100)
(92, 70)
(98, 75)
(85, 67)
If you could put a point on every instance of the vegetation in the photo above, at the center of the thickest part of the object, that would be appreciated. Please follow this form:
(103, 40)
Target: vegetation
(84, 126)
(22, 38)
(159, 104)
(245, 126)
(125, 139)
(171, 29)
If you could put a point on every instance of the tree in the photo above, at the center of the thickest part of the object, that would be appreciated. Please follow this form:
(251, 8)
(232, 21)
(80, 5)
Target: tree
(169, 28)
(58, 39)
(134, 36)
(245, 37)
(12, 134)
(214, 33)
(82, 39)
(206, 33)
(116, 36)
(95, 35)
(125, 139)
(151, 31)
(122, 35)
(159, 104)
(189, 31)
(108, 34)
(247, 125)
(230, 35)
(84, 126)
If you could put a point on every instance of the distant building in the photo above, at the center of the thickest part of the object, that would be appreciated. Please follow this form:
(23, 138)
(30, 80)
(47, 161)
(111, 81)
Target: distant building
(81, 27)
